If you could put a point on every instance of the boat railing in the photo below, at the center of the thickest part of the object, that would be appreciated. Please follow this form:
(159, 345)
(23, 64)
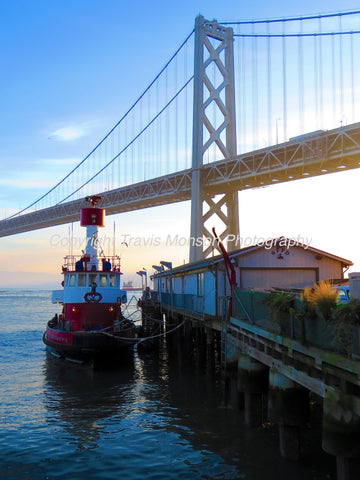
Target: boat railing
(86, 263)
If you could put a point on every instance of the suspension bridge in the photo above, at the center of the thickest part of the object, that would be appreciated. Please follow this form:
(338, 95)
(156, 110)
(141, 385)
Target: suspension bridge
(239, 105)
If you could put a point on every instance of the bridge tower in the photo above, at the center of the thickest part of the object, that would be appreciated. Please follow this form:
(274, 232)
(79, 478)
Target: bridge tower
(213, 52)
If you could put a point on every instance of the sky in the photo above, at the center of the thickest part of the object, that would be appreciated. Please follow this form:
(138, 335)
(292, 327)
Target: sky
(69, 70)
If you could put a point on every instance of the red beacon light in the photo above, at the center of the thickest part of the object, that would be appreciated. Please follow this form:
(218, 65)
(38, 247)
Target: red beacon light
(92, 216)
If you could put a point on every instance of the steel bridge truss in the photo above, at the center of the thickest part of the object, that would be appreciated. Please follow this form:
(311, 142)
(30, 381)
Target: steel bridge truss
(307, 156)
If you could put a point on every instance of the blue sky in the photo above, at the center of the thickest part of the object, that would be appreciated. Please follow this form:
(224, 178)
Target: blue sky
(71, 68)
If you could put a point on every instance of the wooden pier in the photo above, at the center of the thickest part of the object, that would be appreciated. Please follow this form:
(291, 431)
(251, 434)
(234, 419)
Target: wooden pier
(283, 360)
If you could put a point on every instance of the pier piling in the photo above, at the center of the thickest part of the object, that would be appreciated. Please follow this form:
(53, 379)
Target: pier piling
(288, 406)
(252, 380)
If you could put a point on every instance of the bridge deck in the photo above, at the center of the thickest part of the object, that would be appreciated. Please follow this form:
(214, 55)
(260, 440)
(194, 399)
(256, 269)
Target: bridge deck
(306, 156)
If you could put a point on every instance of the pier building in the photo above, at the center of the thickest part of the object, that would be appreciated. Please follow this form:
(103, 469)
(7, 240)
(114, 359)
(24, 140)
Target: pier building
(198, 288)
(273, 362)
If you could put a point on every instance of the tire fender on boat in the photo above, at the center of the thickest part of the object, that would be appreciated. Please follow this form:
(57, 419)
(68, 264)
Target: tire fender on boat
(90, 297)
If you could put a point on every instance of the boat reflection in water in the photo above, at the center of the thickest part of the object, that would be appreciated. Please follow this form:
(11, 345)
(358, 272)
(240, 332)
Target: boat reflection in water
(81, 399)
(162, 416)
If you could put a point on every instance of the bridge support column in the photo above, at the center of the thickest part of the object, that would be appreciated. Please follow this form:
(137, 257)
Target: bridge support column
(252, 380)
(341, 431)
(214, 115)
(288, 406)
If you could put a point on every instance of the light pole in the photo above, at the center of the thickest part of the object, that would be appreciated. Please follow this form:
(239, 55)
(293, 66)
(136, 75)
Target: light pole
(159, 270)
(142, 274)
(145, 274)
(169, 266)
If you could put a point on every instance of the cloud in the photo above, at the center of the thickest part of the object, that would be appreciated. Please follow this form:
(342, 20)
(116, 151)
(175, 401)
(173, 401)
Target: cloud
(77, 128)
(71, 132)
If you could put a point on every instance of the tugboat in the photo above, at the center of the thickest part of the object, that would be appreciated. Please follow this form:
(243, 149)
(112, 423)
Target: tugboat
(91, 326)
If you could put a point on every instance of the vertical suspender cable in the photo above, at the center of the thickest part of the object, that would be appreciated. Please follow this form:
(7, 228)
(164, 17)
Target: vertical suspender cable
(140, 149)
(243, 112)
(284, 84)
(176, 119)
(301, 79)
(97, 163)
(333, 79)
(269, 85)
(238, 97)
(149, 136)
(254, 90)
(316, 81)
(352, 78)
(321, 90)
(112, 156)
(126, 163)
(157, 146)
(117, 148)
(167, 129)
(341, 73)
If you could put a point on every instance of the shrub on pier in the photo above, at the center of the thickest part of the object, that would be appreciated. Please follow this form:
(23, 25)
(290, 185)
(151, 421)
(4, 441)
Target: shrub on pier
(323, 297)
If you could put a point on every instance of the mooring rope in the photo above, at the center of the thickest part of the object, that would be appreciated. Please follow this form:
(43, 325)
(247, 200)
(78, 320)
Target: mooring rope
(140, 340)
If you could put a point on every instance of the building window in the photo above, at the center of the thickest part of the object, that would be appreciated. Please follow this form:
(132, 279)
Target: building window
(200, 284)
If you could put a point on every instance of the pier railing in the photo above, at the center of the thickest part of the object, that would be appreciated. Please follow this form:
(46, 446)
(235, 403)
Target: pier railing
(313, 330)
(80, 262)
(182, 301)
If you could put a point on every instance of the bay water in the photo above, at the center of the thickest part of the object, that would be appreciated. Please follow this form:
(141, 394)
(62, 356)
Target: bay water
(154, 418)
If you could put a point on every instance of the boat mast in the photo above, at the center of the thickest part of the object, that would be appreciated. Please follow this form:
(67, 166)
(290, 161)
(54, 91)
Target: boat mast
(92, 218)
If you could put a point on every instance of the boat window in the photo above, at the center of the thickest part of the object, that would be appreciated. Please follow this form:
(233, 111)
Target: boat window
(112, 280)
(92, 279)
(102, 280)
(81, 280)
(72, 280)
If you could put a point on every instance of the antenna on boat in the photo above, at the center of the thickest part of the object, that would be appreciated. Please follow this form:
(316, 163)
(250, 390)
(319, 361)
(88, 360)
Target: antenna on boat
(72, 239)
(114, 241)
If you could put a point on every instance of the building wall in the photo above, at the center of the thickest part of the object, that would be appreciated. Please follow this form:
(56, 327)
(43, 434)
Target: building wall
(268, 278)
(300, 268)
(259, 269)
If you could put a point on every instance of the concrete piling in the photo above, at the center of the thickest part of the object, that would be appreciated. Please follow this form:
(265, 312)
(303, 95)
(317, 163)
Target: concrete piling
(252, 380)
(288, 406)
(341, 431)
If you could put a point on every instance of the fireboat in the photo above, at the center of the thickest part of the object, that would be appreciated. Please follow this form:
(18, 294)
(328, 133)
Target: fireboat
(91, 327)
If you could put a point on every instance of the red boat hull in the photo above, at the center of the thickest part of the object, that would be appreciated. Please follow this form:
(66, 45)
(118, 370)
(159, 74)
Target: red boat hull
(91, 345)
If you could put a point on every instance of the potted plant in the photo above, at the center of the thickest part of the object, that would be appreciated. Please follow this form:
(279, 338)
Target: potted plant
(281, 305)
(320, 304)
